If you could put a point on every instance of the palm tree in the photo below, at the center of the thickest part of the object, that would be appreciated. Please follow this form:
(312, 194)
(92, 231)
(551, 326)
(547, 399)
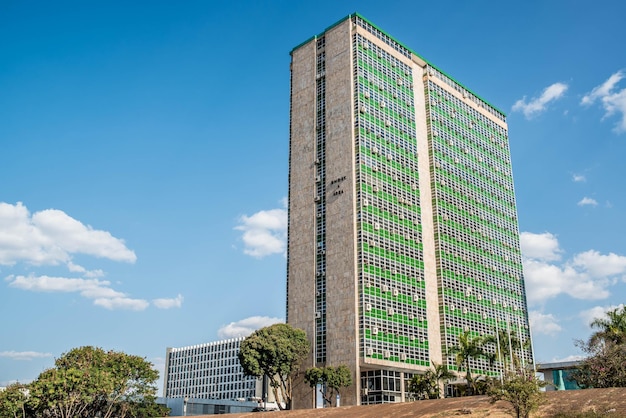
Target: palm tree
(439, 374)
(611, 329)
(428, 385)
(468, 348)
(508, 345)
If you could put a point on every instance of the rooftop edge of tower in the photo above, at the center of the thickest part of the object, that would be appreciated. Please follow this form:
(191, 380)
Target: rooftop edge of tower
(356, 14)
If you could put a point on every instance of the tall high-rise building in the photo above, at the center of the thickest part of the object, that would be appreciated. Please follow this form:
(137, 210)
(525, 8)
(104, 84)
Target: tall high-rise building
(403, 232)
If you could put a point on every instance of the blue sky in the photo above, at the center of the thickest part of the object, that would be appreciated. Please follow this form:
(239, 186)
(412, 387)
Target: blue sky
(143, 161)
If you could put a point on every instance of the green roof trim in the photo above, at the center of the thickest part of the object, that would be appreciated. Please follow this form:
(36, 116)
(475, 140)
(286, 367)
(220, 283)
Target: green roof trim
(355, 14)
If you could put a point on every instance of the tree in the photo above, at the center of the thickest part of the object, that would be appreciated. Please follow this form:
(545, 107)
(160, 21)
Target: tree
(611, 329)
(88, 381)
(330, 379)
(428, 385)
(507, 346)
(521, 389)
(276, 352)
(605, 364)
(468, 348)
(604, 367)
(13, 401)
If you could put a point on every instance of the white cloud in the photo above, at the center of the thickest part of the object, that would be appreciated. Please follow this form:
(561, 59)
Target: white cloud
(543, 323)
(538, 104)
(589, 315)
(571, 357)
(543, 246)
(579, 178)
(587, 275)
(50, 237)
(265, 232)
(599, 265)
(613, 100)
(246, 326)
(587, 201)
(122, 303)
(166, 303)
(98, 290)
(24, 355)
(545, 281)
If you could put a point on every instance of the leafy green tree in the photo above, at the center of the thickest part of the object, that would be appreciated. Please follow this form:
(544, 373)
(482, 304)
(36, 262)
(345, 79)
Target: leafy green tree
(611, 329)
(522, 390)
(89, 381)
(331, 380)
(604, 366)
(421, 386)
(276, 352)
(468, 348)
(13, 401)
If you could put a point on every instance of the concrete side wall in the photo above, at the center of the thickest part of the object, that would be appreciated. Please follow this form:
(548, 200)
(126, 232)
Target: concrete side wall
(342, 294)
(301, 266)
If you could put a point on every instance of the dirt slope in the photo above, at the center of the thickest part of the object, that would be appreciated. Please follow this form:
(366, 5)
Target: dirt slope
(609, 401)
